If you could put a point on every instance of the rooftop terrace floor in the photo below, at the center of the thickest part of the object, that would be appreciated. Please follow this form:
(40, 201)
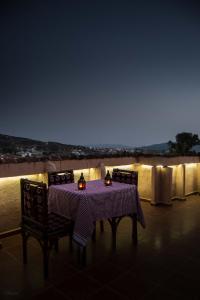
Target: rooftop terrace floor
(164, 265)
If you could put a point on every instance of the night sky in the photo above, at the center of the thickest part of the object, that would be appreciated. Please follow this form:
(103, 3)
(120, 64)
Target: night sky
(100, 72)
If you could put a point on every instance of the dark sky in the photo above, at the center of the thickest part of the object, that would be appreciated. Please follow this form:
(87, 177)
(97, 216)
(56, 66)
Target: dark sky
(93, 72)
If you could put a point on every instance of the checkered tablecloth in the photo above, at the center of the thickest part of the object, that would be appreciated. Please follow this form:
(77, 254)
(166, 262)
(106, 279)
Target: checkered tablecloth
(97, 202)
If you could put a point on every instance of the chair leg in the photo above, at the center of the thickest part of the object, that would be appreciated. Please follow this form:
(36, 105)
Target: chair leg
(71, 242)
(94, 233)
(114, 232)
(134, 229)
(56, 245)
(101, 226)
(82, 256)
(24, 246)
(71, 238)
(45, 258)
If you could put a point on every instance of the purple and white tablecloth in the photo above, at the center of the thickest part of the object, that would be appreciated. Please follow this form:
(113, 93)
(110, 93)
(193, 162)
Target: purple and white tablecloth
(97, 202)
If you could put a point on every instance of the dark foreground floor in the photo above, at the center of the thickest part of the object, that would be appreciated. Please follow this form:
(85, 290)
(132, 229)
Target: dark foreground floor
(164, 265)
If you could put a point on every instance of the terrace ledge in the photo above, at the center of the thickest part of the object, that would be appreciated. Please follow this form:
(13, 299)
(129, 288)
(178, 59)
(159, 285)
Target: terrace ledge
(29, 168)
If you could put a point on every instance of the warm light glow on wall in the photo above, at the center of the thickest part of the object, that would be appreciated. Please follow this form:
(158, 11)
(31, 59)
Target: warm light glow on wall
(144, 181)
(36, 177)
(159, 166)
(89, 174)
(123, 167)
(61, 173)
(192, 165)
(147, 166)
(176, 167)
(10, 207)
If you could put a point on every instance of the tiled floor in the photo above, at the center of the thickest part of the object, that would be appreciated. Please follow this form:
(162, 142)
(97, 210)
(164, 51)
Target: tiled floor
(164, 265)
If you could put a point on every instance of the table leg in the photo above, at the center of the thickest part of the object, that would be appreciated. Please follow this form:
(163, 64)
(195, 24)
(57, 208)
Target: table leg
(134, 229)
(101, 226)
(82, 256)
(94, 233)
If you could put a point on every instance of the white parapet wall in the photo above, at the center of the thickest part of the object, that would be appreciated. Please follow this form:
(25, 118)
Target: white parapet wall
(159, 179)
(144, 181)
(178, 181)
(10, 206)
(191, 185)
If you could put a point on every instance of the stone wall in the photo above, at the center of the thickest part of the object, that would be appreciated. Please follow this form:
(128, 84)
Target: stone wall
(178, 181)
(190, 178)
(144, 181)
(156, 184)
(10, 205)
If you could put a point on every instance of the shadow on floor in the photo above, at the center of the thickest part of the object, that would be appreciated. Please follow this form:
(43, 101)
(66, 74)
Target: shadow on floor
(164, 265)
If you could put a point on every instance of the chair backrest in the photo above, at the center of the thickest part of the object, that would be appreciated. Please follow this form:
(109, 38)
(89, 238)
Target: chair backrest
(34, 203)
(125, 176)
(60, 177)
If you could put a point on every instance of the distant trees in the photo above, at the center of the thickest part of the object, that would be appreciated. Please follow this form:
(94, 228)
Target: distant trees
(184, 142)
(8, 148)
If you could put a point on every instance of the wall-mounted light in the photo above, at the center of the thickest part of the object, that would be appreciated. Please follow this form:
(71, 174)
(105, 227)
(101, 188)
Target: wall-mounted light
(147, 166)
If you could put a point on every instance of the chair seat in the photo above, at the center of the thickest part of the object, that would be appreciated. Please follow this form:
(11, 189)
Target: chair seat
(58, 223)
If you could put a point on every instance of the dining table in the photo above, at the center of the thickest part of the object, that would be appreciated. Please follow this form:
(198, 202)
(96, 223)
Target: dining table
(96, 202)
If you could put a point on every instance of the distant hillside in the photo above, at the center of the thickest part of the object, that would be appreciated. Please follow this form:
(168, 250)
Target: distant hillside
(22, 149)
(19, 149)
(8, 142)
(155, 148)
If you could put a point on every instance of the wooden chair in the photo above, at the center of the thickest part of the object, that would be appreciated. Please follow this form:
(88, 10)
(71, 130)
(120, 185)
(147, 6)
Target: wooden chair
(129, 177)
(61, 177)
(125, 176)
(46, 227)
